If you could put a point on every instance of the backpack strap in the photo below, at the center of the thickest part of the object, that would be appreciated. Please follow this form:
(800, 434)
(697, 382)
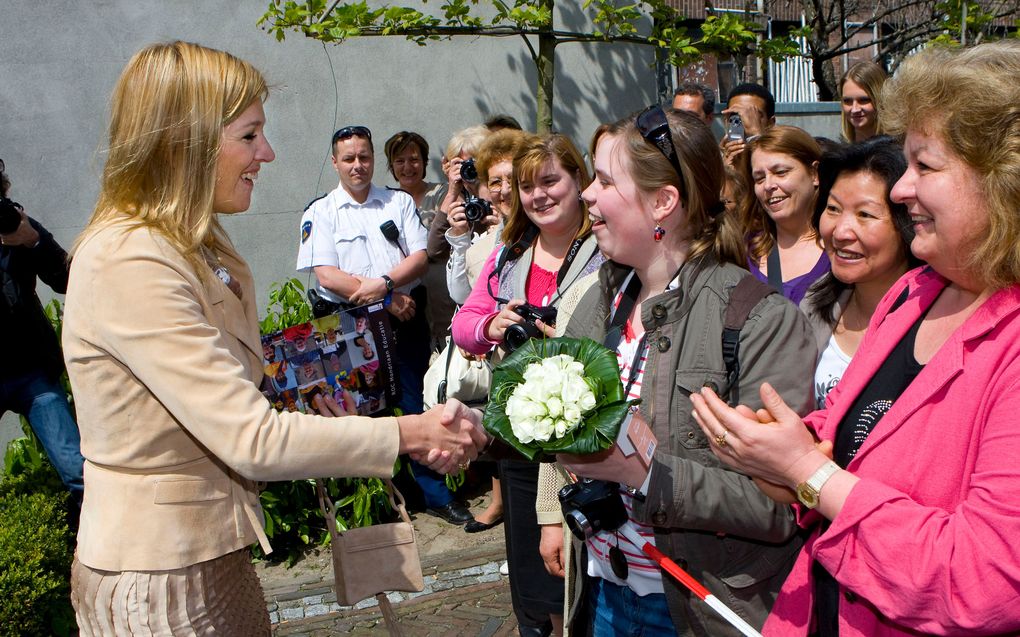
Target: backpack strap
(744, 297)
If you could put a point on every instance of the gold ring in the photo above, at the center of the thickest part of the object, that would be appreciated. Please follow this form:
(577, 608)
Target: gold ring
(464, 465)
(721, 439)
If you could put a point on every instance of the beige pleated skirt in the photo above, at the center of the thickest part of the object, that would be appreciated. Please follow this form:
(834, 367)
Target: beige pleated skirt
(219, 597)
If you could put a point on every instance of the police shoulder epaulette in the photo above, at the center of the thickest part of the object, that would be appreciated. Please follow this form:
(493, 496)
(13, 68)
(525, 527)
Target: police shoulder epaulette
(309, 205)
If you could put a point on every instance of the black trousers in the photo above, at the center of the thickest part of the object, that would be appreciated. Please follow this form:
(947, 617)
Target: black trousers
(535, 593)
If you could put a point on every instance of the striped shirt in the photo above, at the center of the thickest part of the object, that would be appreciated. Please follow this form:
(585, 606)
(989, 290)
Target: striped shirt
(644, 576)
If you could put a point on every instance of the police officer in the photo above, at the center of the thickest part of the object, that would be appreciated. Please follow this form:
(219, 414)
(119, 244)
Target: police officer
(355, 264)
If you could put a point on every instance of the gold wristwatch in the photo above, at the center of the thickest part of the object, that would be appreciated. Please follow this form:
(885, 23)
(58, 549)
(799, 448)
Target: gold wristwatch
(807, 491)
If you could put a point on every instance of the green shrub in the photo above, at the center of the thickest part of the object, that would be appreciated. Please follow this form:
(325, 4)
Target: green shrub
(35, 562)
(35, 543)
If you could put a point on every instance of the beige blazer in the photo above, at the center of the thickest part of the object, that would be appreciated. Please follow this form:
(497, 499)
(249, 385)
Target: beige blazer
(165, 366)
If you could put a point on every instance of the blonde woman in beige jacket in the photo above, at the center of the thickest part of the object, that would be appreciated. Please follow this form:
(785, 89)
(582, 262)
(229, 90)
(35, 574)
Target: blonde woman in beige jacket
(162, 348)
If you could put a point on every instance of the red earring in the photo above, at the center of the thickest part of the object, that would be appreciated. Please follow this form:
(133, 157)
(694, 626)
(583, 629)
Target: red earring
(660, 232)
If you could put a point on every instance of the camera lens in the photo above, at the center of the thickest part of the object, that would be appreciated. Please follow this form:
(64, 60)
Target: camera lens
(579, 525)
(475, 209)
(468, 172)
(515, 336)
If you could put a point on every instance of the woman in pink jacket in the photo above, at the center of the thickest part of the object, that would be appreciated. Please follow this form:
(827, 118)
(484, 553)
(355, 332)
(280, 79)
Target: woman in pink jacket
(916, 516)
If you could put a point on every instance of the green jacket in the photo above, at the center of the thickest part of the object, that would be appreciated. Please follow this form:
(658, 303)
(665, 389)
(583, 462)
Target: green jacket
(712, 520)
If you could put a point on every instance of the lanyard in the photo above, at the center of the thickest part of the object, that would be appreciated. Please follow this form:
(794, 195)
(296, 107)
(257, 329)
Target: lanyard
(514, 252)
(618, 319)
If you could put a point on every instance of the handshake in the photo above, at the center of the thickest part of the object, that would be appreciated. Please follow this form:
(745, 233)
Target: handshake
(445, 438)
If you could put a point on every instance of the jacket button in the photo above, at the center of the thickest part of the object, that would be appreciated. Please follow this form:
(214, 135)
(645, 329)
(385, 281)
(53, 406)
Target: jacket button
(659, 518)
(659, 311)
(712, 385)
(690, 434)
(682, 563)
(850, 596)
(664, 343)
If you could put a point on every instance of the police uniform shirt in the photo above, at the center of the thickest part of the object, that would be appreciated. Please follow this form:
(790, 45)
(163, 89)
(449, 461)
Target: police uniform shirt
(338, 231)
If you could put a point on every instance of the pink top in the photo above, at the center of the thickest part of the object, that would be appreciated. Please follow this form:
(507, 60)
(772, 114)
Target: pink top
(480, 308)
(927, 540)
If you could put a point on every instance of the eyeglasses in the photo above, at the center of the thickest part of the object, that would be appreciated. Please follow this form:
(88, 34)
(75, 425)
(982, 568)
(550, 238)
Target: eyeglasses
(499, 184)
(350, 131)
(654, 128)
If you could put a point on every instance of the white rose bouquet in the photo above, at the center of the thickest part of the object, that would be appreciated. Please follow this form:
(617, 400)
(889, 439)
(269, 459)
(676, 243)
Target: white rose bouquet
(559, 395)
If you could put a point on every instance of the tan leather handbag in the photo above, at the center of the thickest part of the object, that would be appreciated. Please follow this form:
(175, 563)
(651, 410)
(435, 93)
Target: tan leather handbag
(371, 560)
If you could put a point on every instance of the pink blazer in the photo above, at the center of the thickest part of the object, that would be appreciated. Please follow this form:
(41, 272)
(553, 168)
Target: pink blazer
(929, 539)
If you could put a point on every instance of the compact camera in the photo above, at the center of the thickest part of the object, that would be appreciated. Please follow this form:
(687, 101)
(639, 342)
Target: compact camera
(519, 333)
(735, 128)
(476, 209)
(590, 506)
(468, 171)
(10, 216)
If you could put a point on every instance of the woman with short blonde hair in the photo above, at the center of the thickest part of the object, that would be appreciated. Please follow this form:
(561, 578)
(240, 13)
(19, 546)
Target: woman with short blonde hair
(913, 511)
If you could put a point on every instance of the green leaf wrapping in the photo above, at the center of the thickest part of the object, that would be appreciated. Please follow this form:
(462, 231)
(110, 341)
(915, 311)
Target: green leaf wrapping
(598, 428)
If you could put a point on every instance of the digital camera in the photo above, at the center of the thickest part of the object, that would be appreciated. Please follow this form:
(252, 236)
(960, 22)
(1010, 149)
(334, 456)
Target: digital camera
(10, 216)
(476, 209)
(735, 128)
(322, 306)
(590, 506)
(468, 171)
(519, 333)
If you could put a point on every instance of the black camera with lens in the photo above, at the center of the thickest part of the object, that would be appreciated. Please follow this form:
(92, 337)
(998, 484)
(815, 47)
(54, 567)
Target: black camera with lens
(476, 209)
(519, 333)
(10, 215)
(590, 506)
(468, 171)
(322, 306)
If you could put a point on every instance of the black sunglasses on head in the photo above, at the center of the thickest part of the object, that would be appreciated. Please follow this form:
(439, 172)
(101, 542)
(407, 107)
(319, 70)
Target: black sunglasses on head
(654, 128)
(351, 131)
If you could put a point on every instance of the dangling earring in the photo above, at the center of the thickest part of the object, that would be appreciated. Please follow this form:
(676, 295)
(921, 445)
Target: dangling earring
(660, 232)
(579, 197)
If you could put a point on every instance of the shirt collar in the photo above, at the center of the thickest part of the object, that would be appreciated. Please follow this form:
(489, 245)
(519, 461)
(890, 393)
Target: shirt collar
(343, 199)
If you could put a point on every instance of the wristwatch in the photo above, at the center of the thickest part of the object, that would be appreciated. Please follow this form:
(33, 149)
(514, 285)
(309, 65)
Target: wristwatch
(807, 491)
(389, 282)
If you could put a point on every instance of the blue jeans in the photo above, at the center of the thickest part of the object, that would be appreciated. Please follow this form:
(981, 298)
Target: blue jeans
(619, 611)
(44, 403)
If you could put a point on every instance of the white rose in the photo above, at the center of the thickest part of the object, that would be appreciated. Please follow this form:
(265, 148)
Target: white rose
(561, 428)
(572, 415)
(587, 401)
(524, 430)
(545, 429)
(572, 389)
(554, 406)
(531, 390)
